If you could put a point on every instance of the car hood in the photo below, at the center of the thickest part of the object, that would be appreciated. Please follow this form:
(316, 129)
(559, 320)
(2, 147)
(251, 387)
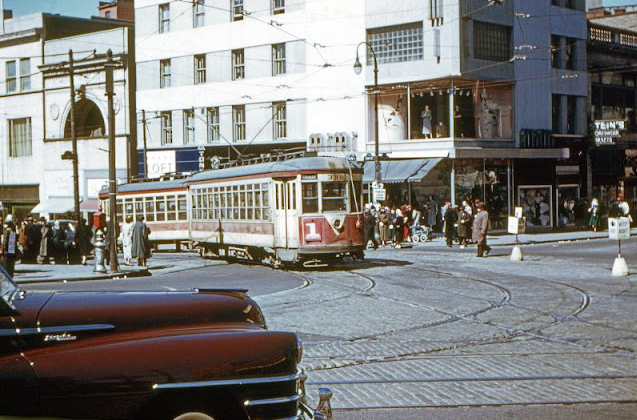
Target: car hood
(63, 315)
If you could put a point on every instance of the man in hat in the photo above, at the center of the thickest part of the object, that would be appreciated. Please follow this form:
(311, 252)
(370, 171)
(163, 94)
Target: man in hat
(480, 229)
(9, 247)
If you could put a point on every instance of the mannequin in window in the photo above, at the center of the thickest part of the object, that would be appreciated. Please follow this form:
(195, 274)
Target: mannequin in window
(426, 122)
(457, 122)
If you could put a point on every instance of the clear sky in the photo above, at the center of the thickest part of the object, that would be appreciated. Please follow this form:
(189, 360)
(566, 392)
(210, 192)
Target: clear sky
(81, 8)
(88, 8)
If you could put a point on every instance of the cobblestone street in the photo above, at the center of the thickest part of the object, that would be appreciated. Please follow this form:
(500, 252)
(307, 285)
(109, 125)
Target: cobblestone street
(415, 328)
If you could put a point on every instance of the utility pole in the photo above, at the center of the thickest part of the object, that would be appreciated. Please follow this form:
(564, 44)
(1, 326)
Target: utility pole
(145, 152)
(76, 181)
(112, 176)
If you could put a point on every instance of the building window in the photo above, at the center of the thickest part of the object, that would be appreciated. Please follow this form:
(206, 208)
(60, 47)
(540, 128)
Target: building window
(12, 84)
(164, 18)
(278, 7)
(237, 9)
(200, 69)
(279, 120)
(238, 122)
(20, 137)
(107, 14)
(25, 74)
(189, 126)
(555, 51)
(166, 127)
(212, 121)
(198, 13)
(556, 113)
(491, 42)
(397, 43)
(12, 75)
(238, 65)
(435, 12)
(164, 73)
(278, 59)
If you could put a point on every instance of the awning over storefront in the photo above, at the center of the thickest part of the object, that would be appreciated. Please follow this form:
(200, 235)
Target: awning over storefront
(399, 171)
(54, 206)
(90, 204)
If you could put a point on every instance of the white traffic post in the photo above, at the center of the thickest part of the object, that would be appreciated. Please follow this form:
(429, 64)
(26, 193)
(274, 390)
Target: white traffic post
(619, 228)
(517, 225)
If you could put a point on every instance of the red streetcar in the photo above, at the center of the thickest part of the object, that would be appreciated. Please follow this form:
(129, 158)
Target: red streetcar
(306, 210)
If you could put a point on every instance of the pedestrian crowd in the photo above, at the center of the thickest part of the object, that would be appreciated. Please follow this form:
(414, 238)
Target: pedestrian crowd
(54, 242)
(393, 226)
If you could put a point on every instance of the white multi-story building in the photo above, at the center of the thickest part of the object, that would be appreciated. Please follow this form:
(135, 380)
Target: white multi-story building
(485, 95)
(35, 111)
(244, 77)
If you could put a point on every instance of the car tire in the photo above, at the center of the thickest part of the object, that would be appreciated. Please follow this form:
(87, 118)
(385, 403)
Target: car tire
(193, 416)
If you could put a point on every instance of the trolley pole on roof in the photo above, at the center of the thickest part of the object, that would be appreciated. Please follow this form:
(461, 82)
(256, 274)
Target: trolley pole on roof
(112, 176)
(145, 151)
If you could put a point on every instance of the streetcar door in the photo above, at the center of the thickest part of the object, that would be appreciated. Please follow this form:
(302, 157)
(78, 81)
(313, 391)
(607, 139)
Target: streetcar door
(286, 224)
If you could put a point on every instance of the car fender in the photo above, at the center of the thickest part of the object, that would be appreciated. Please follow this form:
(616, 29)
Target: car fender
(127, 368)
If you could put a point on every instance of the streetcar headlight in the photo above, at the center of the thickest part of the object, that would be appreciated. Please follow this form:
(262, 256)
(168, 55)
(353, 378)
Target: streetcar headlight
(337, 223)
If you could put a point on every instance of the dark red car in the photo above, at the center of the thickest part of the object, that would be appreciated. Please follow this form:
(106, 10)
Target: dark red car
(205, 354)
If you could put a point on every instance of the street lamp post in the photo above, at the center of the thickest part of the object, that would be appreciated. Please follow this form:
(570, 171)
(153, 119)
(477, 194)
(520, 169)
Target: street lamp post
(358, 68)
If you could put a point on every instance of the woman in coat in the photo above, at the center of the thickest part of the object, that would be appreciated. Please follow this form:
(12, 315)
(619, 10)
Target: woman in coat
(83, 236)
(45, 241)
(140, 242)
(58, 239)
(126, 237)
(383, 225)
(464, 226)
(480, 229)
(594, 213)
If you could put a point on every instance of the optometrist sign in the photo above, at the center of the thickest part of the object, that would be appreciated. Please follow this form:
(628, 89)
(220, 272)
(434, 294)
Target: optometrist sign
(607, 131)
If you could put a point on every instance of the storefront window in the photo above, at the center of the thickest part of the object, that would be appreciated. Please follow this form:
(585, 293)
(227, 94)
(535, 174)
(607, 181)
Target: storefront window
(536, 205)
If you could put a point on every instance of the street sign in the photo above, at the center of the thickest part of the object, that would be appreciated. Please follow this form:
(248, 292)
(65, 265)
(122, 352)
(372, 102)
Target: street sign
(619, 228)
(380, 195)
(517, 225)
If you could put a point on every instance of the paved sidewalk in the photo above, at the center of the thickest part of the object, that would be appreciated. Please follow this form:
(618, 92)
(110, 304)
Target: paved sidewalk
(506, 239)
(47, 273)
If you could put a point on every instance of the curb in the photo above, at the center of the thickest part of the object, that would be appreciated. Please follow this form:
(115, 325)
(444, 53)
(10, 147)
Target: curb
(128, 274)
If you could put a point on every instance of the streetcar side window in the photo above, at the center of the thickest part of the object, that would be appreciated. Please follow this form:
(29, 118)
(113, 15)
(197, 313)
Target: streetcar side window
(128, 208)
(120, 211)
(334, 196)
(160, 208)
(182, 208)
(217, 211)
(310, 197)
(150, 209)
(172, 208)
(265, 202)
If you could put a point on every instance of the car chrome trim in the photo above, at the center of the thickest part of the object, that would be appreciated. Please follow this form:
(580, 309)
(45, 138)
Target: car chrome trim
(271, 401)
(228, 382)
(56, 330)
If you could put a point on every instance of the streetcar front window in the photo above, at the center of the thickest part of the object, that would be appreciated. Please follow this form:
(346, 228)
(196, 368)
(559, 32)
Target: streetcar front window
(310, 197)
(334, 196)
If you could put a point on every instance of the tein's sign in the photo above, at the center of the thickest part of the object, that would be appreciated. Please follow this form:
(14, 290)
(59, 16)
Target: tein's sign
(606, 131)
